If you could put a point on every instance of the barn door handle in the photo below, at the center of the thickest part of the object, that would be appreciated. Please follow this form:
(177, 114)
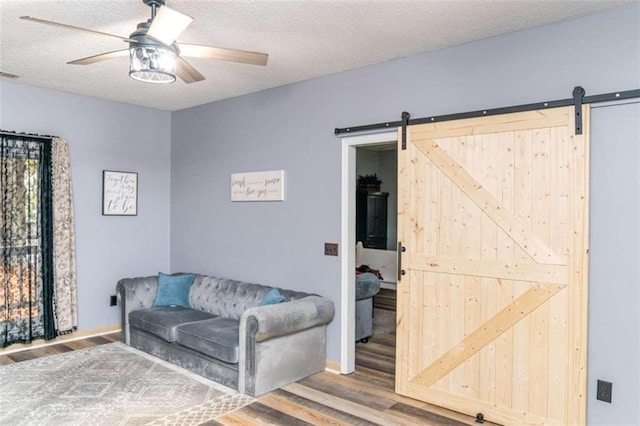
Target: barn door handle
(401, 271)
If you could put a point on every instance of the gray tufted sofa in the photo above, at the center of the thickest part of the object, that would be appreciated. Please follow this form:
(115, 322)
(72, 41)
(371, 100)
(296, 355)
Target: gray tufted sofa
(367, 286)
(226, 335)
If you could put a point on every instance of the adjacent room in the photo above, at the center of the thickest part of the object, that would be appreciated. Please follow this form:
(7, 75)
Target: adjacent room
(311, 212)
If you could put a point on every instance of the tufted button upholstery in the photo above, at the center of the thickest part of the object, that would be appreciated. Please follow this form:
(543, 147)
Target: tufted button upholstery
(224, 297)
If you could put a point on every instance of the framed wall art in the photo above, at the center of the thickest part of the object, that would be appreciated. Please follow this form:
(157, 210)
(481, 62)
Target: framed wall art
(119, 193)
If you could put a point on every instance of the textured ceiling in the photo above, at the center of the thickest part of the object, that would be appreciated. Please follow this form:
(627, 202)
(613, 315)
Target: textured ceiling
(304, 39)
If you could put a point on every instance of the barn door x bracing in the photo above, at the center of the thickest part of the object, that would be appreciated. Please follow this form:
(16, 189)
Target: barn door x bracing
(492, 305)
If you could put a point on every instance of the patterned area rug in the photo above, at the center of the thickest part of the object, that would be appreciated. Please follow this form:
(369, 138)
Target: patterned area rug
(384, 321)
(111, 384)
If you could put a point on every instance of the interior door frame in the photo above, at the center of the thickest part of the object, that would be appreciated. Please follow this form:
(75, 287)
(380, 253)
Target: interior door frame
(348, 240)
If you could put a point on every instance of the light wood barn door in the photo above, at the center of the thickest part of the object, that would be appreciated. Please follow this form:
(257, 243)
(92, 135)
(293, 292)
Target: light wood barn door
(492, 308)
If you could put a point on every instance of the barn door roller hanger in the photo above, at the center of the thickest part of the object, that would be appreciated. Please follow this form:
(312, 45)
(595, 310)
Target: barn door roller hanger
(577, 100)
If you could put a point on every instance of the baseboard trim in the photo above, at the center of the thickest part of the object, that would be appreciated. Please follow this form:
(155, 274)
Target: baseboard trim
(41, 343)
(332, 367)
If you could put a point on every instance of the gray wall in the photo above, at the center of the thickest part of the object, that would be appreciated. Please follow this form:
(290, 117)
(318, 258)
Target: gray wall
(614, 292)
(291, 128)
(104, 135)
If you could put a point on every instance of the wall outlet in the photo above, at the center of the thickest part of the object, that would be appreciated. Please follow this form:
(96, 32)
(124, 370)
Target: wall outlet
(604, 391)
(113, 300)
(330, 249)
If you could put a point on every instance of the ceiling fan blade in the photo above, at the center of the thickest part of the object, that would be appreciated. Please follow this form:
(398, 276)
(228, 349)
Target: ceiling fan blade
(223, 54)
(186, 72)
(168, 25)
(73, 27)
(99, 58)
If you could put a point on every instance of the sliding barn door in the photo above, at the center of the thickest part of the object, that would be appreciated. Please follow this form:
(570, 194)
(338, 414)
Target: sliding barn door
(492, 306)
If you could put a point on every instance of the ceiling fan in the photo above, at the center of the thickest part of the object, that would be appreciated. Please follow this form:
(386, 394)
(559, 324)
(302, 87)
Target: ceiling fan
(154, 54)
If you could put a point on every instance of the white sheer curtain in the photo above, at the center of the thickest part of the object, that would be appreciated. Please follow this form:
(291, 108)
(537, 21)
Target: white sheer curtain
(64, 241)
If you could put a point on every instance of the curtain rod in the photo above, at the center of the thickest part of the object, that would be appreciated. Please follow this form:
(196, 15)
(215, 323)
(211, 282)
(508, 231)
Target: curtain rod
(606, 97)
(26, 135)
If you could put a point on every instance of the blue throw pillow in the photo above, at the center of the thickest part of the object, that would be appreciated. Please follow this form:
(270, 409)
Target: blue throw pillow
(272, 297)
(173, 290)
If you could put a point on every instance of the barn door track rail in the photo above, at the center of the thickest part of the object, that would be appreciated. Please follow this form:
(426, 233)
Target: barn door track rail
(577, 100)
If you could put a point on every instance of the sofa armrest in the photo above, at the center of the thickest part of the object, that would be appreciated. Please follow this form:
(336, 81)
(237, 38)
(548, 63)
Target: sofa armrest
(367, 285)
(282, 343)
(134, 294)
(286, 318)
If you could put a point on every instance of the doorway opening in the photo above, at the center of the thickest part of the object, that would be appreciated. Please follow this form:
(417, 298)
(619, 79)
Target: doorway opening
(376, 236)
(366, 155)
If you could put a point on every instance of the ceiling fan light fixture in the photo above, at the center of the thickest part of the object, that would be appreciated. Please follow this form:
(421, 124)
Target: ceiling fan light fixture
(154, 55)
(152, 64)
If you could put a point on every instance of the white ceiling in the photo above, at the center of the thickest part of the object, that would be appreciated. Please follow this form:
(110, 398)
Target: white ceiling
(304, 39)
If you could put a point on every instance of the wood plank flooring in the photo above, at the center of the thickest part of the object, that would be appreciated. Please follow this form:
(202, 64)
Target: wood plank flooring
(58, 348)
(385, 299)
(365, 397)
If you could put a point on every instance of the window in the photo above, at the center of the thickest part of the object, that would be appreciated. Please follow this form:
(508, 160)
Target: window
(21, 170)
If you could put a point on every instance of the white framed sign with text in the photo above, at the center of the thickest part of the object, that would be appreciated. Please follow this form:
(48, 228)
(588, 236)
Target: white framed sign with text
(119, 193)
(258, 186)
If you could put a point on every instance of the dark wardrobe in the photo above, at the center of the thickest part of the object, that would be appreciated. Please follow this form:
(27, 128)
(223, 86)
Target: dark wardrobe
(371, 219)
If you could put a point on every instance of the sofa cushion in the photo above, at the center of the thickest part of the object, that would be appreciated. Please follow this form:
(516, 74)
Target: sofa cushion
(162, 321)
(217, 337)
